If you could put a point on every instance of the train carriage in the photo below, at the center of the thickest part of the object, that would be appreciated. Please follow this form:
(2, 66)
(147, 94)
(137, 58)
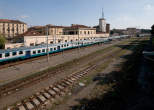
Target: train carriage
(35, 51)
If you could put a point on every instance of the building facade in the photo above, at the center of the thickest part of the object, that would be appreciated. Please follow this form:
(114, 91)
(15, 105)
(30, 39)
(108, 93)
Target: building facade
(38, 40)
(12, 28)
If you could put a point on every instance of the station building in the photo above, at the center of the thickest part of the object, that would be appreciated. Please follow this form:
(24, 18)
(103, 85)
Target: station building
(61, 34)
(37, 35)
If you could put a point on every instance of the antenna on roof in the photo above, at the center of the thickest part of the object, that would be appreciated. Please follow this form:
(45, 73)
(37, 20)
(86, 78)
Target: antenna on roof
(102, 13)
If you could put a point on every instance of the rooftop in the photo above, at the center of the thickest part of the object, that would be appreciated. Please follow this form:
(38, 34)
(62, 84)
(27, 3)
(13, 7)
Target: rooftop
(11, 21)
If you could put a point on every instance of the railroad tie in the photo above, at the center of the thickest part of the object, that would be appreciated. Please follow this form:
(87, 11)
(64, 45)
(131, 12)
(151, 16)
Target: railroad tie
(29, 105)
(21, 107)
(52, 93)
(42, 98)
(36, 101)
(47, 95)
(66, 82)
(70, 80)
(75, 77)
(60, 87)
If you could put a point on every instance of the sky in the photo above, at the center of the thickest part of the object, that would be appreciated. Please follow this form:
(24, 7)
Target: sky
(118, 13)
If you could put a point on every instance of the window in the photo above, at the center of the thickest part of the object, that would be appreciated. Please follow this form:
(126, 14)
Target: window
(0, 55)
(7, 54)
(54, 48)
(39, 51)
(34, 52)
(67, 45)
(31, 44)
(50, 49)
(20, 52)
(61, 45)
(14, 53)
(88, 32)
(43, 50)
(65, 40)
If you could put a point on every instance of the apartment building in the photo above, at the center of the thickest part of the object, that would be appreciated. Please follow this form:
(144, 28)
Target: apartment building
(12, 28)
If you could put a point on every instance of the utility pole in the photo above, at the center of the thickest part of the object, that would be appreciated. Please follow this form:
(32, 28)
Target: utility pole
(47, 32)
(78, 42)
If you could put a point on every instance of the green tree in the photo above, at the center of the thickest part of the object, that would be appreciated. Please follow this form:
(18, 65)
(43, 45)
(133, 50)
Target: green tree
(152, 30)
(2, 42)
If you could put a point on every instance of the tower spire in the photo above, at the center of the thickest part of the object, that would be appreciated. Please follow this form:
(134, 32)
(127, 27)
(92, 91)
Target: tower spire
(102, 13)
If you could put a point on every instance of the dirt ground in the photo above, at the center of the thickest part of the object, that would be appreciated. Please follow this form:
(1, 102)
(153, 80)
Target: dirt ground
(87, 98)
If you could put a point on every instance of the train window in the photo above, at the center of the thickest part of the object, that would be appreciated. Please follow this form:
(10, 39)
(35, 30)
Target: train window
(7, 54)
(67, 45)
(50, 49)
(14, 53)
(54, 48)
(20, 52)
(39, 51)
(43, 50)
(34, 52)
(61, 45)
(0, 55)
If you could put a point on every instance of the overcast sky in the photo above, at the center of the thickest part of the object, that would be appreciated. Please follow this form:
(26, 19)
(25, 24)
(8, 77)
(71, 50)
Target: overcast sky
(119, 13)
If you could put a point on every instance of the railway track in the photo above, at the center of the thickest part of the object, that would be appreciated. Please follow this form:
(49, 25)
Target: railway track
(19, 84)
(13, 63)
(49, 94)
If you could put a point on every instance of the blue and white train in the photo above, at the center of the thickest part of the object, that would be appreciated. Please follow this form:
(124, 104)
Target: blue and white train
(35, 51)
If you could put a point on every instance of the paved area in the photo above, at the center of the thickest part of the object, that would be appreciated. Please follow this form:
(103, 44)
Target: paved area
(18, 71)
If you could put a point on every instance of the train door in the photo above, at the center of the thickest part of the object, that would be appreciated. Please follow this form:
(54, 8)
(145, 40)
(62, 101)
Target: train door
(58, 48)
(28, 54)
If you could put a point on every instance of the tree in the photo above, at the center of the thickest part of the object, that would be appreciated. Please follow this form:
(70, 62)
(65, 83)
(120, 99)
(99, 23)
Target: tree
(2, 42)
(152, 30)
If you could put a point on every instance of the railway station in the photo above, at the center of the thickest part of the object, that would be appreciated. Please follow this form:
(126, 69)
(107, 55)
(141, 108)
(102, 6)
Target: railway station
(99, 62)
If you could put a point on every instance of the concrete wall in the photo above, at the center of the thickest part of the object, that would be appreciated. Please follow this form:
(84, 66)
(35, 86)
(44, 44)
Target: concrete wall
(13, 45)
